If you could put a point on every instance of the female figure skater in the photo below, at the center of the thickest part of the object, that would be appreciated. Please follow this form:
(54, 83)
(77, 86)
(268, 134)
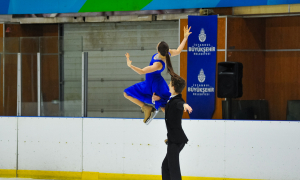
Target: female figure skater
(141, 93)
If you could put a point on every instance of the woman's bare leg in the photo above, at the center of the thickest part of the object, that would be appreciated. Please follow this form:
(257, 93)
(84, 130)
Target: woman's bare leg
(163, 109)
(146, 109)
(134, 100)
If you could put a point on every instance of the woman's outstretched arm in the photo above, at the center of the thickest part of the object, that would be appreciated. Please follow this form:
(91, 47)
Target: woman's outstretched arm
(175, 52)
(149, 69)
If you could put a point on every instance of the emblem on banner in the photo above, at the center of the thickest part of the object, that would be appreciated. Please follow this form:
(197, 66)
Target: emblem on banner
(201, 76)
(202, 35)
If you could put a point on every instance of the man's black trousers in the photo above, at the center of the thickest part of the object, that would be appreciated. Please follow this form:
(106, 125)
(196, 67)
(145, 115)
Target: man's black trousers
(170, 166)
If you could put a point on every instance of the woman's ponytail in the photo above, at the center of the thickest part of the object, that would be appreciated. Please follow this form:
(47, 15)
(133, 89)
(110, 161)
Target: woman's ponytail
(169, 65)
(163, 48)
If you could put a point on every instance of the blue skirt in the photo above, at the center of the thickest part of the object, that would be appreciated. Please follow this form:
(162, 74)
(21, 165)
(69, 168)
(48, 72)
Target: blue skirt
(143, 91)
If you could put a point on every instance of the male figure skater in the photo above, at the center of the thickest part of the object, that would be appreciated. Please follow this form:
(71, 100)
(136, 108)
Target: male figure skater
(176, 136)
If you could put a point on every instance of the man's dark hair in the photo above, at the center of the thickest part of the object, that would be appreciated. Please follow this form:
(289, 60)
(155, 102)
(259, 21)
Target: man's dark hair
(178, 83)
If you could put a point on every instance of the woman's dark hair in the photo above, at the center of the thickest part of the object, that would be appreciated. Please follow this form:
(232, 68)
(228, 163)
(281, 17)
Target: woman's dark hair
(163, 49)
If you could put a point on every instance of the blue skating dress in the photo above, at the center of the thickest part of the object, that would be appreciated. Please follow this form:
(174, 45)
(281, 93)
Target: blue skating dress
(154, 82)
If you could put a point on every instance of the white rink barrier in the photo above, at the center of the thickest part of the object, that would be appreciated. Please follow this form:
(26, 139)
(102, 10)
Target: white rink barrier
(216, 148)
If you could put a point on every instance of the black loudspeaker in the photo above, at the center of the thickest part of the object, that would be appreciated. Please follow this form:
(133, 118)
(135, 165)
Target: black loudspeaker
(230, 76)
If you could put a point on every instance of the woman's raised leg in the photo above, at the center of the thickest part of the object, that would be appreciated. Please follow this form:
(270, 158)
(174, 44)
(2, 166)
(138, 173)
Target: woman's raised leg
(134, 100)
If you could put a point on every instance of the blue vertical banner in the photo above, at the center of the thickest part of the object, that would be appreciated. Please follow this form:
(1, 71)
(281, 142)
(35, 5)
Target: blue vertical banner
(201, 65)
